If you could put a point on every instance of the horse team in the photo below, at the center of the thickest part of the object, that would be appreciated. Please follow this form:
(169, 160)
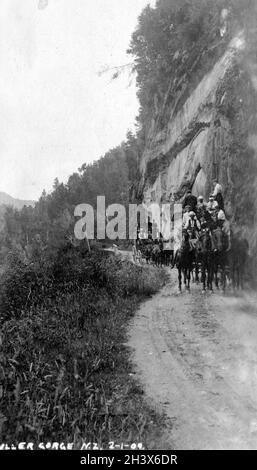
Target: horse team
(208, 261)
(211, 262)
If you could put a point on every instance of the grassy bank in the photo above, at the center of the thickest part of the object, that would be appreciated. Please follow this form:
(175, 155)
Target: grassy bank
(65, 374)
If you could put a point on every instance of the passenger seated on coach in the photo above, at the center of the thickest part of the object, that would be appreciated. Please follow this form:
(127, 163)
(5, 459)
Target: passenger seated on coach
(214, 218)
(212, 204)
(201, 208)
(185, 215)
(193, 225)
(217, 193)
(225, 226)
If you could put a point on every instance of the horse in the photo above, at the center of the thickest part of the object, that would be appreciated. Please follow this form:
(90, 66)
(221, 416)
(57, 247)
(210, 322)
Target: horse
(147, 251)
(220, 242)
(205, 257)
(193, 242)
(157, 254)
(168, 253)
(237, 257)
(184, 261)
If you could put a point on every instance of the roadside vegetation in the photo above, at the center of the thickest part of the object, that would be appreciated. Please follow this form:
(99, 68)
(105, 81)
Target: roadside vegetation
(65, 373)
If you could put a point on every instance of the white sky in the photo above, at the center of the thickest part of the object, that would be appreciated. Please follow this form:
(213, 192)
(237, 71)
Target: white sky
(56, 112)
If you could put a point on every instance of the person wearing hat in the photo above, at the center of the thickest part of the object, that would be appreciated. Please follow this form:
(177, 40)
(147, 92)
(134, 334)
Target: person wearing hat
(225, 226)
(217, 193)
(212, 204)
(185, 215)
(193, 227)
(212, 211)
(192, 223)
(201, 208)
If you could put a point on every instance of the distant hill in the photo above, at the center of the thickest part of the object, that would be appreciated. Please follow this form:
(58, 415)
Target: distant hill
(7, 200)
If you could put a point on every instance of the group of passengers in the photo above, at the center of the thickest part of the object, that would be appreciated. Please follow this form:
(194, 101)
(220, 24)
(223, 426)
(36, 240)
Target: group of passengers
(200, 215)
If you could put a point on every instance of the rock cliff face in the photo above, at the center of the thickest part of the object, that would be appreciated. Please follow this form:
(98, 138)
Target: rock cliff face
(213, 134)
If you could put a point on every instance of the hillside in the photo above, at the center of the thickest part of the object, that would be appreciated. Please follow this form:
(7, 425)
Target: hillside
(7, 200)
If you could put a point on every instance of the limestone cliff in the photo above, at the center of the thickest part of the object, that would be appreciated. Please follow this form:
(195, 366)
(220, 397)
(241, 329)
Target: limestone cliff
(213, 133)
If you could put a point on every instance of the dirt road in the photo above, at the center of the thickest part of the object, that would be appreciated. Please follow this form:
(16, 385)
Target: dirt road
(196, 357)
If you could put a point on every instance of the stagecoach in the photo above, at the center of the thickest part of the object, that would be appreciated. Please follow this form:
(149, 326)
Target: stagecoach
(158, 252)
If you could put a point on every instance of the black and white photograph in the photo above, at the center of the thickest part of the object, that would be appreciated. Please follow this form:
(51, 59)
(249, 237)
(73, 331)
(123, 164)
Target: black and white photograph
(128, 229)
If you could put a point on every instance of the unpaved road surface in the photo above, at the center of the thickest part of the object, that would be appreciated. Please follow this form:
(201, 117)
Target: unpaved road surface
(196, 357)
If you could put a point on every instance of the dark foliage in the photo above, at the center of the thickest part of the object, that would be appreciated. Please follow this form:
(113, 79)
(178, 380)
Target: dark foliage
(172, 45)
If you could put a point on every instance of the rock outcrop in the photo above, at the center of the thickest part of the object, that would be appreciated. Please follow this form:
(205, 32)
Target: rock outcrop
(212, 134)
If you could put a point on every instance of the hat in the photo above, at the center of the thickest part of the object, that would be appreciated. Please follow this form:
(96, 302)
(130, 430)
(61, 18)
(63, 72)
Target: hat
(200, 198)
(191, 214)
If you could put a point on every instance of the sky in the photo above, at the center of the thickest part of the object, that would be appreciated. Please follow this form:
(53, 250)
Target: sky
(57, 112)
